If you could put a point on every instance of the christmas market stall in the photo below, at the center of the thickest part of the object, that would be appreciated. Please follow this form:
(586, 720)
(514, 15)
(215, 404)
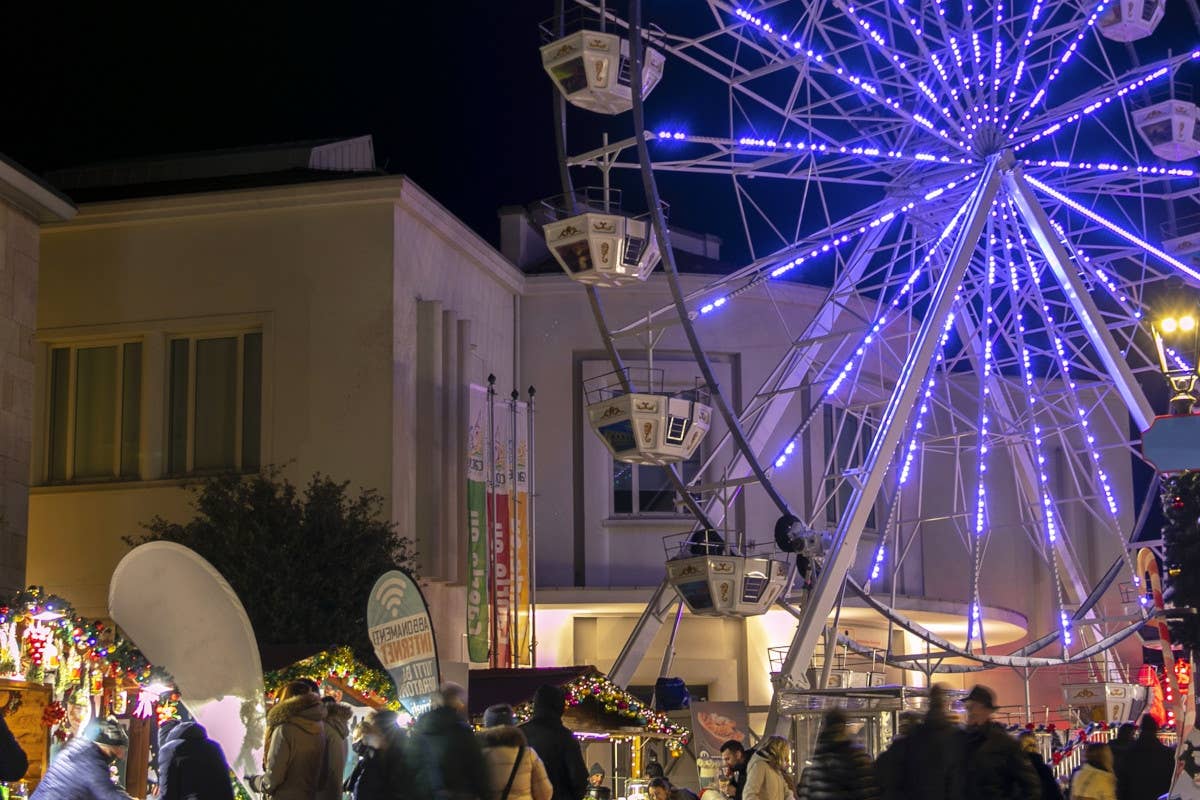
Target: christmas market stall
(59, 671)
(617, 730)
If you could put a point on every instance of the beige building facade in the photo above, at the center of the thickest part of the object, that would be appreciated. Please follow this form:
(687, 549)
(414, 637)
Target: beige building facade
(25, 203)
(319, 327)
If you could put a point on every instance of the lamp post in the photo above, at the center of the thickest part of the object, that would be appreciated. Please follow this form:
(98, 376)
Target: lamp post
(1173, 335)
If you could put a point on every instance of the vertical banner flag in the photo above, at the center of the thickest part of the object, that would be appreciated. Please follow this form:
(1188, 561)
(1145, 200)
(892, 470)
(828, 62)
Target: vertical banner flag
(498, 535)
(477, 511)
(521, 537)
(402, 635)
(502, 541)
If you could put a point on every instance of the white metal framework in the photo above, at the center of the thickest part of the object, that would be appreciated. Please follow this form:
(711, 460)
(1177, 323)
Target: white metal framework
(966, 182)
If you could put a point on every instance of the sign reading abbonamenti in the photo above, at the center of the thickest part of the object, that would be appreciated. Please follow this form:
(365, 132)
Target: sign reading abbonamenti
(402, 635)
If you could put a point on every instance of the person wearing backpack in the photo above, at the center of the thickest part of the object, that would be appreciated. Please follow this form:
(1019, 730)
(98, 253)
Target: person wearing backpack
(515, 772)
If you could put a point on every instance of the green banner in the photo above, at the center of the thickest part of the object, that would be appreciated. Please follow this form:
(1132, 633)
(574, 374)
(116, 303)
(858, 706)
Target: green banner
(477, 547)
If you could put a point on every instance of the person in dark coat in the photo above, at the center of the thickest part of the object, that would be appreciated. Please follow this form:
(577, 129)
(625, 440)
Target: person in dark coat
(555, 743)
(13, 761)
(928, 765)
(1147, 766)
(994, 768)
(736, 758)
(81, 770)
(191, 766)
(381, 773)
(1121, 744)
(840, 768)
(890, 766)
(445, 757)
(1029, 746)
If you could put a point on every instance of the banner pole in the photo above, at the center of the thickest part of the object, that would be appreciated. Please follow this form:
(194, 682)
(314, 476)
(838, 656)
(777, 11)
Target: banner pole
(531, 551)
(514, 589)
(493, 649)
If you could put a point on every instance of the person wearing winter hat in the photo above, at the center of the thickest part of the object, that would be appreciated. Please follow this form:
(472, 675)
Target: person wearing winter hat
(555, 743)
(994, 768)
(192, 765)
(381, 773)
(596, 788)
(81, 770)
(515, 772)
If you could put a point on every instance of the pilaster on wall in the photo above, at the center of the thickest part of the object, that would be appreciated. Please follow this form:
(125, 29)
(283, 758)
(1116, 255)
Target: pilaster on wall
(18, 318)
(441, 469)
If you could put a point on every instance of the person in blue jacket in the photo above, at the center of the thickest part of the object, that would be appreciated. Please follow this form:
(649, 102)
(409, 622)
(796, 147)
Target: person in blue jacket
(81, 770)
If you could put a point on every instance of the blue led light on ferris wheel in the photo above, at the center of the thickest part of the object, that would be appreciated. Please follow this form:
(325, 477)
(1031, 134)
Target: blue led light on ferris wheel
(1112, 226)
(854, 80)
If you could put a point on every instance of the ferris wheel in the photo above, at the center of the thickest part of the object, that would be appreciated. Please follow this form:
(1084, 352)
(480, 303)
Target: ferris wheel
(992, 197)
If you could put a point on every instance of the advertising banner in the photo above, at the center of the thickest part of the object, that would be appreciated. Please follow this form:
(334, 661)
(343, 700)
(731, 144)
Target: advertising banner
(713, 724)
(521, 522)
(402, 636)
(477, 515)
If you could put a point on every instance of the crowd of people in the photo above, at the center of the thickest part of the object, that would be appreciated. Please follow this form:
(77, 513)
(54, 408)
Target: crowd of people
(933, 758)
(308, 748)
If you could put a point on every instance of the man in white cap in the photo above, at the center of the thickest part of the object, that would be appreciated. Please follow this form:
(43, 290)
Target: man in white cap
(81, 770)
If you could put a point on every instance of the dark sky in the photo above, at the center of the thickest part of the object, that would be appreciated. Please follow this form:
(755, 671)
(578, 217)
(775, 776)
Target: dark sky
(453, 93)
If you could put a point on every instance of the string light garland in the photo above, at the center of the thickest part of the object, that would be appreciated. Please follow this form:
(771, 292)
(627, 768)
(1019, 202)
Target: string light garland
(339, 663)
(596, 693)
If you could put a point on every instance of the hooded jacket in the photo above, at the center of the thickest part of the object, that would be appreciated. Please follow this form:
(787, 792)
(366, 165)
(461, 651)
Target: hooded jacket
(500, 747)
(555, 745)
(337, 742)
(191, 766)
(296, 756)
(445, 757)
(79, 773)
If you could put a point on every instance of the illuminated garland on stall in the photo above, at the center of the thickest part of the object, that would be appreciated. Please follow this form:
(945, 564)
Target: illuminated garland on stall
(337, 663)
(598, 691)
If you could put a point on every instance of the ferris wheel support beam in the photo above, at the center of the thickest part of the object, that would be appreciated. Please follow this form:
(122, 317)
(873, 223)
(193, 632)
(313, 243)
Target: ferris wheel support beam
(892, 426)
(778, 390)
(1077, 295)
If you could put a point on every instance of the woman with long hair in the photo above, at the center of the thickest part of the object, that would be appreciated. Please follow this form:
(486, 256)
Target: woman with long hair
(768, 776)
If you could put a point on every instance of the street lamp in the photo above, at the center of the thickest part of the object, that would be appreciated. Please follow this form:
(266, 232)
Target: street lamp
(1174, 335)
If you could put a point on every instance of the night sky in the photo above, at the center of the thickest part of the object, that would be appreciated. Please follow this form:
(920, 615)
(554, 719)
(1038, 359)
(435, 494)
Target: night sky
(454, 94)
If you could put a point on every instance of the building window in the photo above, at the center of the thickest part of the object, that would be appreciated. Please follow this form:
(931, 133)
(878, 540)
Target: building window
(215, 407)
(643, 489)
(95, 412)
(847, 439)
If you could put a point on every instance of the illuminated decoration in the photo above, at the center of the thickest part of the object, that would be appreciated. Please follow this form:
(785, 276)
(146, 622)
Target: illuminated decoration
(1034, 364)
(595, 693)
(1130, 20)
(591, 70)
(338, 663)
(651, 426)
